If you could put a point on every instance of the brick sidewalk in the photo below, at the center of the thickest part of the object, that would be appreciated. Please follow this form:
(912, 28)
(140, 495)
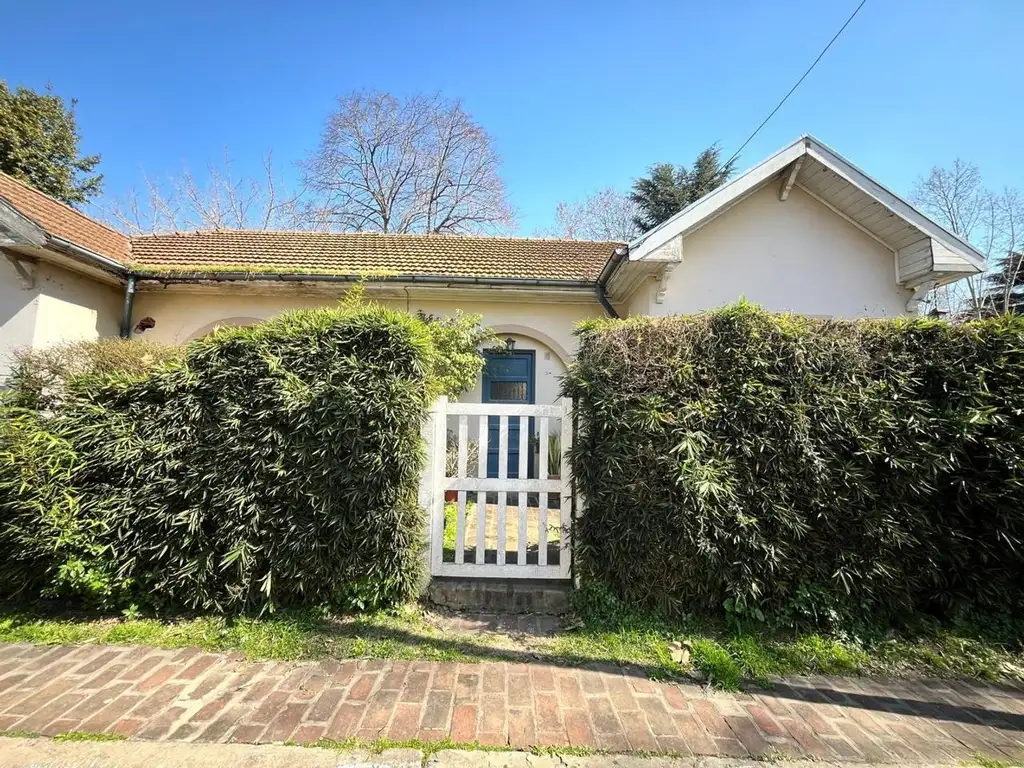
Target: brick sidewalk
(187, 695)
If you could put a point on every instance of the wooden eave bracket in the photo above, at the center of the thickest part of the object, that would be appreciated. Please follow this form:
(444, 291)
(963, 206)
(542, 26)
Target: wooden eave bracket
(790, 178)
(920, 294)
(26, 269)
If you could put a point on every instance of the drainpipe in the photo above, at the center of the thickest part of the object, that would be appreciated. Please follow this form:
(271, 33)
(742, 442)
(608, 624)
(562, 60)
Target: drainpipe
(129, 302)
(606, 274)
(603, 298)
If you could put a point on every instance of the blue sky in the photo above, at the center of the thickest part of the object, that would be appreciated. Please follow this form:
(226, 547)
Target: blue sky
(577, 96)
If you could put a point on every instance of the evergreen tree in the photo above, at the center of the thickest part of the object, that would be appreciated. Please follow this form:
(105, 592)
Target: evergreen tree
(667, 189)
(1004, 286)
(39, 145)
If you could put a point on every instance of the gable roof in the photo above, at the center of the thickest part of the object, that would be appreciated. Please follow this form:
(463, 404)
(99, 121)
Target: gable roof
(838, 184)
(357, 253)
(59, 221)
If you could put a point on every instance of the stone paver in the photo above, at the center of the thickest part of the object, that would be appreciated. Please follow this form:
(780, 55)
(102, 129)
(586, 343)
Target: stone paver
(43, 753)
(165, 695)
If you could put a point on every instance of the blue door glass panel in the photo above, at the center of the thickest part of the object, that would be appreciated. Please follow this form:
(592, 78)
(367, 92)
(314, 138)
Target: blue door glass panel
(508, 378)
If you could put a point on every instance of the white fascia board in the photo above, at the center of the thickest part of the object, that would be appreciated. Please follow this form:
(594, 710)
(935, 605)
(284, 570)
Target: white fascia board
(717, 201)
(724, 197)
(858, 178)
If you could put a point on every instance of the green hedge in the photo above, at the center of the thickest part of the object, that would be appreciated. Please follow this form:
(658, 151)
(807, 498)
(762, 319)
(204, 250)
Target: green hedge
(272, 466)
(806, 470)
(40, 377)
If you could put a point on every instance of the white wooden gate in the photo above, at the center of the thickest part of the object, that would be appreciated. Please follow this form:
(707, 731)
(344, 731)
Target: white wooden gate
(473, 538)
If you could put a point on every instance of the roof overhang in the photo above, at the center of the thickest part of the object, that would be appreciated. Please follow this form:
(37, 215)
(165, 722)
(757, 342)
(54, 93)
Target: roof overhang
(20, 233)
(244, 275)
(17, 230)
(383, 287)
(839, 185)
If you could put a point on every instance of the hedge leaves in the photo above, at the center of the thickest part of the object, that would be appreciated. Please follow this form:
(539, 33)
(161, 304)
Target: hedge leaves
(274, 465)
(811, 470)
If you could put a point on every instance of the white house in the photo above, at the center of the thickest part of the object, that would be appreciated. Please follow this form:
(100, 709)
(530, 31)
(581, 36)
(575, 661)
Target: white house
(804, 231)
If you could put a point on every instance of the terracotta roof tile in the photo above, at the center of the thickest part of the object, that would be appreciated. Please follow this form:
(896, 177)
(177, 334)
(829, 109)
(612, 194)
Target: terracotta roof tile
(63, 221)
(358, 252)
(310, 252)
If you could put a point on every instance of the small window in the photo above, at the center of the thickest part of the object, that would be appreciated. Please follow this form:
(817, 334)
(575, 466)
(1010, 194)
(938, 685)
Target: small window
(509, 391)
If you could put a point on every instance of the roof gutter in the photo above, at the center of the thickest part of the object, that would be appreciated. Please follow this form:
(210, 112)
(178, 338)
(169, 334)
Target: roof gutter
(84, 254)
(132, 276)
(606, 274)
(223, 277)
(107, 265)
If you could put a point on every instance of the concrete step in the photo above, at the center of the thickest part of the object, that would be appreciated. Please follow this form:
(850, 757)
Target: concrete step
(502, 596)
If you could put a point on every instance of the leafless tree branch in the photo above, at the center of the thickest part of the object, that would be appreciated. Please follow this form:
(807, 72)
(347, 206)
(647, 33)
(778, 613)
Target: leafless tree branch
(224, 200)
(416, 165)
(604, 215)
(994, 223)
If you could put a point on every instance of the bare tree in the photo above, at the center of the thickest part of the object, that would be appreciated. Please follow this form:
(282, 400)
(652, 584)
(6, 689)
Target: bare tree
(953, 196)
(956, 198)
(1006, 283)
(604, 215)
(224, 200)
(420, 164)
(993, 222)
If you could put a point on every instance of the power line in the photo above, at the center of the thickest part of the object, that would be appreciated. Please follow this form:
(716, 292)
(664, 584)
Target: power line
(802, 77)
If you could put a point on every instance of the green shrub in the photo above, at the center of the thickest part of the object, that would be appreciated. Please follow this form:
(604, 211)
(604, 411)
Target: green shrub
(275, 465)
(49, 547)
(35, 502)
(39, 377)
(811, 471)
(263, 467)
(453, 358)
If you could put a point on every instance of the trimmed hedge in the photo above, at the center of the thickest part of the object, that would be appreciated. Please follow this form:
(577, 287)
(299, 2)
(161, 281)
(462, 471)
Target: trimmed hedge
(272, 466)
(40, 376)
(811, 471)
(42, 533)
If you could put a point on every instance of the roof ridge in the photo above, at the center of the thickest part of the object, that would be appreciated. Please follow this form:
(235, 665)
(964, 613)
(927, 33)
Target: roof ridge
(69, 207)
(409, 235)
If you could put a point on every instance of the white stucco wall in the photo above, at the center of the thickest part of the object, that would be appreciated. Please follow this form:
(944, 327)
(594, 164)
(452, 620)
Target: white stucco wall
(544, 327)
(74, 308)
(795, 256)
(60, 306)
(18, 307)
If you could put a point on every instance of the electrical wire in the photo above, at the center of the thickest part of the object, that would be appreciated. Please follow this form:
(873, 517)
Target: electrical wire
(802, 78)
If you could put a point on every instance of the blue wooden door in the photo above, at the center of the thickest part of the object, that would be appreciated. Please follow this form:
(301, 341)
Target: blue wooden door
(508, 378)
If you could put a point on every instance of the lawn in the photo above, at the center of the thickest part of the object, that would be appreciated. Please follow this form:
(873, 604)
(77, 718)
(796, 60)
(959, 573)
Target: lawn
(724, 656)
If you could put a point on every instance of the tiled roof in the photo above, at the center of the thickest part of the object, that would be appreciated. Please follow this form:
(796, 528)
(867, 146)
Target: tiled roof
(351, 253)
(355, 253)
(359, 252)
(63, 221)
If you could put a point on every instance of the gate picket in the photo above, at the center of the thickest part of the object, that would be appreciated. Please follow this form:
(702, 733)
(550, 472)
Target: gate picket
(499, 489)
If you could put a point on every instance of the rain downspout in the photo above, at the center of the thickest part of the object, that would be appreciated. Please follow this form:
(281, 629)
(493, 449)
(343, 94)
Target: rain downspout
(606, 274)
(126, 313)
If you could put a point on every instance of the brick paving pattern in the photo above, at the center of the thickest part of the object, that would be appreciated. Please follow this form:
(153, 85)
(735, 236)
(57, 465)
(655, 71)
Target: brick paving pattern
(187, 695)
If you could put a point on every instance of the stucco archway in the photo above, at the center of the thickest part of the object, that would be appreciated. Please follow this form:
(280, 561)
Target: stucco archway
(533, 333)
(226, 322)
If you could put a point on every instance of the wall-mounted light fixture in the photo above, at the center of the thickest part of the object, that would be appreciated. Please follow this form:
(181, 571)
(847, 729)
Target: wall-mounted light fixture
(145, 324)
